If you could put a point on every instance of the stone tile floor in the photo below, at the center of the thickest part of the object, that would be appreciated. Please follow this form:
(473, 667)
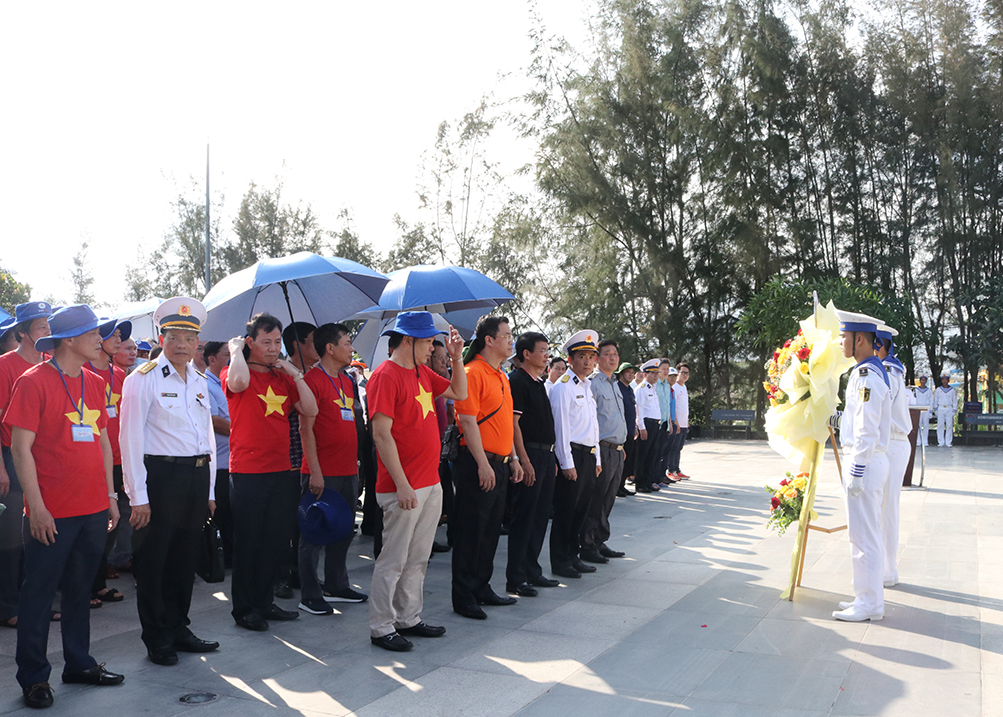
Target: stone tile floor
(689, 623)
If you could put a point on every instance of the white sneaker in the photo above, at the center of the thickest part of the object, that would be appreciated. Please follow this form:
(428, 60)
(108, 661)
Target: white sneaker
(845, 605)
(857, 614)
(891, 583)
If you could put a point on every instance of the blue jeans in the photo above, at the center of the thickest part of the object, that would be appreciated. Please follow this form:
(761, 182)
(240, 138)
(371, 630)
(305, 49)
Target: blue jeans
(68, 564)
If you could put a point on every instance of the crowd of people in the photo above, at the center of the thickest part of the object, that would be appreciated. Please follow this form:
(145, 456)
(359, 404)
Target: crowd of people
(282, 427)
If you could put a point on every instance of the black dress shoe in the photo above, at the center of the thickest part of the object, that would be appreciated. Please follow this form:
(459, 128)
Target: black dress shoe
(283, 591)
(252, 621)
(38, 696)
(593, 556)
(610, 553)
(423, 630)
(542, 582)
(566, 572)
(96, 675)
(194, 644)
(163, 656)
(642, 489)
(624, 493)
(497, 600)
(471, 611)
(277, 613)
(523, 589)
(438, 547)
(583, 567)
(393, 642)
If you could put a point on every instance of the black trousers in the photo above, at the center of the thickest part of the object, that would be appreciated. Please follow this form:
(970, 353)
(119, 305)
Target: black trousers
(676, 449)
(596, 530)
(572, 499)
(530, 517)
(166, 550)
(67, 565)
(478, 525)
(647, 454)
(264, 513)
(101, 579)
(11, 543)
(629, 456)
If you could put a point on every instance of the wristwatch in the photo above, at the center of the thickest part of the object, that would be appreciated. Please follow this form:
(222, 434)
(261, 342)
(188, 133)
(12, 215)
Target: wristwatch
(113, 495)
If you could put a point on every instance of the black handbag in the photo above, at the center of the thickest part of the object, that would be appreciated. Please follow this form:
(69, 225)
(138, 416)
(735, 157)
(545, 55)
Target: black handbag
(451, 439)
(210, 566)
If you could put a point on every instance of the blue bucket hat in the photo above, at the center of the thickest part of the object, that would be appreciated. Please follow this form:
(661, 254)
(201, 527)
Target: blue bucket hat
(416, 324)
(32, 310)
(325, 520)
(73, 321)
(6, 325)
(124, 328)
(144, 346)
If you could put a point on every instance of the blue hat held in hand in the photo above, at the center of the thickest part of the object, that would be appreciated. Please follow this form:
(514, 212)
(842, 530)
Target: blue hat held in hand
(325, 520)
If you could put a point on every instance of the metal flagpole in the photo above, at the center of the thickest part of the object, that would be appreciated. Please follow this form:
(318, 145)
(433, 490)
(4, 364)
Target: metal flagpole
(208, 250)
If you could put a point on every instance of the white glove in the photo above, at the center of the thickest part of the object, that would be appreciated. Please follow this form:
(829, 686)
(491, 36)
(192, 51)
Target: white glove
(855, 487)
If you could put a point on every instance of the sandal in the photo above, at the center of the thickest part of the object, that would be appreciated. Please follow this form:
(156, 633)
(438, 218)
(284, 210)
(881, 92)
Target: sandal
(109, 595)
(96, 603)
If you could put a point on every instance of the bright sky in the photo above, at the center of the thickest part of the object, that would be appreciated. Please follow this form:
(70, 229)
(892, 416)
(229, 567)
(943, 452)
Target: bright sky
(108, 108)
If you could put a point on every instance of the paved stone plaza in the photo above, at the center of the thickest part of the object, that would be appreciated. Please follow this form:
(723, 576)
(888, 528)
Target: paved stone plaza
(690, 623)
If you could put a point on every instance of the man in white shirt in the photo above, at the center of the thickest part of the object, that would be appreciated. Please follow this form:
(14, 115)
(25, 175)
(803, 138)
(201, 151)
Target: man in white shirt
(682, 397)
(924, 397)
(169, 471)
(945, 404)
(576, 427)
(557, 368)
(898, 452)
(649, 415)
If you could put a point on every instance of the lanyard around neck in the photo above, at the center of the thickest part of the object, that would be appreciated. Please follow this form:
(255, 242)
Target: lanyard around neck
(79, 409)
(337, 386)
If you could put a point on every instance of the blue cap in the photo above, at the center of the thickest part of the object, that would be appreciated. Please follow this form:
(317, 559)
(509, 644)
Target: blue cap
(73, 321)
(6, 325)
(325, 520)
(124, 328)
(416, 324)
(144, 346)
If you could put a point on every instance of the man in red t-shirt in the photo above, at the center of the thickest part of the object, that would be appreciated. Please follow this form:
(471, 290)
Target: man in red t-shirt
(401, 399)
(31, 322)
(261, 389)
(113, 378)
(57, 419)
(330, 461)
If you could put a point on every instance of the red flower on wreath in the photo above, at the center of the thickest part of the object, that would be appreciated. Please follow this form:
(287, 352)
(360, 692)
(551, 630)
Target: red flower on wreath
(787, 344)
(774, 502)
(804, 353)
(785, 482)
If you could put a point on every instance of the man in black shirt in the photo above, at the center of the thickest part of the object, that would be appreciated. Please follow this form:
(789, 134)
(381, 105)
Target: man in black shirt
(626, 374)
(534, 444)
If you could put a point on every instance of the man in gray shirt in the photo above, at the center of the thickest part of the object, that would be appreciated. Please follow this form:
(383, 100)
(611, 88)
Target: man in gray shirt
(612, 436)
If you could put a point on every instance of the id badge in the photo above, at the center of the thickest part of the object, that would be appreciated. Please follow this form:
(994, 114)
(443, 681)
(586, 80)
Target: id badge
(112, 411)
(346, 414)
(82, 434)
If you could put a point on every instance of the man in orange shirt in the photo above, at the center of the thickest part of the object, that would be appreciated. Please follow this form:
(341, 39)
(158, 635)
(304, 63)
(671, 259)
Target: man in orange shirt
(486, 462)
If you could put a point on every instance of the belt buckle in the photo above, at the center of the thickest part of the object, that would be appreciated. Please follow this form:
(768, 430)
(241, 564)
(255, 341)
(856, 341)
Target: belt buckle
(201, 461)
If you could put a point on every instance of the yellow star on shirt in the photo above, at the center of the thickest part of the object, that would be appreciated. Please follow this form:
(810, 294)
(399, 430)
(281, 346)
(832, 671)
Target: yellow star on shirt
(90, 418)
(273, 402)
(113, 399)
(348, 399)
(424, 398)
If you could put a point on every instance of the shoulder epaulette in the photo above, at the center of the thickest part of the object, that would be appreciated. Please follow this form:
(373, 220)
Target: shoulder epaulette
(565, 378)
(201, 374)
(147, 367)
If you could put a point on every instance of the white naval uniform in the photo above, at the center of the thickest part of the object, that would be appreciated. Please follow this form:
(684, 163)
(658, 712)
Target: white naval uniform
(647, 404)
(899, 451)
(945, 404)
(575, 417)
(865, 432)
(924, 397)
(164, 415)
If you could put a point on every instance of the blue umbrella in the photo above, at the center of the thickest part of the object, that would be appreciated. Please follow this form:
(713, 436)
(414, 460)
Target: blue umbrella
(440, 289)
(300, 287)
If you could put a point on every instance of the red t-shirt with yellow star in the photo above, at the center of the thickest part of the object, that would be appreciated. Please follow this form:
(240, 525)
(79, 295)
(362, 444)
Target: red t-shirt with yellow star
(112, 400)
(71, 474)
(396, 392)
(337, 440)
(259, 422)
(11, 368)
